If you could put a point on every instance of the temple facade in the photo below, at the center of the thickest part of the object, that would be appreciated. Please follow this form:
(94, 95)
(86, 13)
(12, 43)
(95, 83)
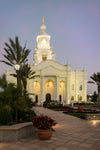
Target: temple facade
(55, 81)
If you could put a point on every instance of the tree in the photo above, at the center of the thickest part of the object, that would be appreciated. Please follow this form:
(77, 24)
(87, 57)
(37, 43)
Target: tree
(94, 97)
(96, 78)
(12, 102)
(27, 73)
(15, 54)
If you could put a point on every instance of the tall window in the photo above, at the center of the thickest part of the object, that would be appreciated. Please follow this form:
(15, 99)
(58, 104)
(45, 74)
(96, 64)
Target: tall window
(80, 98)
(72, 86)
(72, 98)
(80, 87)
(44, 57)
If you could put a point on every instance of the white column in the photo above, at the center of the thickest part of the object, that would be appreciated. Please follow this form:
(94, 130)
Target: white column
(42, 89)
(68, 88)
(76, 85)
(57, 88)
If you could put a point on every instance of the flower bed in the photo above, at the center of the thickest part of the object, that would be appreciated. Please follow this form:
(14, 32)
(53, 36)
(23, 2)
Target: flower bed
(85, 115)
(61, 108)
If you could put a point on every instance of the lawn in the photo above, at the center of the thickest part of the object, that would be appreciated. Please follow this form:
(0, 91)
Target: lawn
(78, 114)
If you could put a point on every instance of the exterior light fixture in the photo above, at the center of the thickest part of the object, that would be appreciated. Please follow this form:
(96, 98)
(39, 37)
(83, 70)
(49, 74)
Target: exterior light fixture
(17, 66)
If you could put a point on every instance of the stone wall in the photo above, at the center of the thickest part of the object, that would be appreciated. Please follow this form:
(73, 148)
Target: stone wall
(16, 132)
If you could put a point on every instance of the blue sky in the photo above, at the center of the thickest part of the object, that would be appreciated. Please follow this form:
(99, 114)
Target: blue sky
(74, 27)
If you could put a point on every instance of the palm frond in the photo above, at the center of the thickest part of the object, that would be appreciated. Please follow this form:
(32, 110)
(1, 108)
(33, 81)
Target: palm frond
(6, 63)
(91, 82)
(14, 75)
(10, 59)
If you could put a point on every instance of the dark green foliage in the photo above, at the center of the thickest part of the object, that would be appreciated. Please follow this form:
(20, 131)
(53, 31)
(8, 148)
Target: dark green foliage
(51, 103)
(79, 115)
(12, 96)
(96, 78)
(5, 115)
(26, 116)
(3, 82)
(94, 97)
(13, 99)
(26, 73)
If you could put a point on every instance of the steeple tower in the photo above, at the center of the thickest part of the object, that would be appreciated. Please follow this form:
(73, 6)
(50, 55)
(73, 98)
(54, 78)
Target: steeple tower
(43, 50)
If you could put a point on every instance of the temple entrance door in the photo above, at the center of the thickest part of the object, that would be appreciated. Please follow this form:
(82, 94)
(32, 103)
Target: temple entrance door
(48, 97)
(36, 98)
(60, 98)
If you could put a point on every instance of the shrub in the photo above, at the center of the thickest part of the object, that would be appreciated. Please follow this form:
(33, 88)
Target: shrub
(5, 115)
(52, 103)
(43, 122)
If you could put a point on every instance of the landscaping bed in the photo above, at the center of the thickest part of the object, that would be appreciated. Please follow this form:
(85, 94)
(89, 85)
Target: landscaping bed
(60, 108)
(85, 115)
(23, 116)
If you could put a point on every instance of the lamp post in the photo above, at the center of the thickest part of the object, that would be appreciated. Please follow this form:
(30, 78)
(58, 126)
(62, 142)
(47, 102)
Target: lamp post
(17, 67)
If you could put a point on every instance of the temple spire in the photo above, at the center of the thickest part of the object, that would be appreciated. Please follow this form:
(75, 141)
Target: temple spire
(42, 19)
(43, 27)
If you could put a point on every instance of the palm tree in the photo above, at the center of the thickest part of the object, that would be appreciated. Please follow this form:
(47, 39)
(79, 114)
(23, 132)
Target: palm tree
(96, 78)
(15, 54)
(26, 73)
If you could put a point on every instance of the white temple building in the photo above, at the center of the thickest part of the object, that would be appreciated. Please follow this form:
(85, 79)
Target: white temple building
(55, 81)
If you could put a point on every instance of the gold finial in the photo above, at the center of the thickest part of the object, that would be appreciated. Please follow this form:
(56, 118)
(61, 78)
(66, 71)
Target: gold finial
(42, 19)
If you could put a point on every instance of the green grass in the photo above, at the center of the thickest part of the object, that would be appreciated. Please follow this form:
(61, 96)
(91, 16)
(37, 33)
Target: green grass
(79, 115)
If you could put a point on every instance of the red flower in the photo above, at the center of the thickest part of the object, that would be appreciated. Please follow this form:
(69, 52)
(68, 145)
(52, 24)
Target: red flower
(43, 122)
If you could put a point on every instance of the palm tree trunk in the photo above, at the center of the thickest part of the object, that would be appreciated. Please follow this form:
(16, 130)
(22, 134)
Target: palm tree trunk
(99, 94)
(19, 77)
(16, 116)
(24, 85)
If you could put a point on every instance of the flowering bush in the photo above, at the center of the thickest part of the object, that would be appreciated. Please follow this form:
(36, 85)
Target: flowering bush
(43, 122)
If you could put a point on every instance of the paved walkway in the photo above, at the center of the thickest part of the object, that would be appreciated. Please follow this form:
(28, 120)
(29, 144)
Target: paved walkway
(70, 133)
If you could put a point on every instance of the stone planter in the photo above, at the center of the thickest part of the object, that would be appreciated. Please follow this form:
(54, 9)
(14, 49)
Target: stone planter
(80, 108)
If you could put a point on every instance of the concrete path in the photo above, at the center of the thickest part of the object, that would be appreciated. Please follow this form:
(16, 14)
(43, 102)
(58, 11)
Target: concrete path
(70, 133)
